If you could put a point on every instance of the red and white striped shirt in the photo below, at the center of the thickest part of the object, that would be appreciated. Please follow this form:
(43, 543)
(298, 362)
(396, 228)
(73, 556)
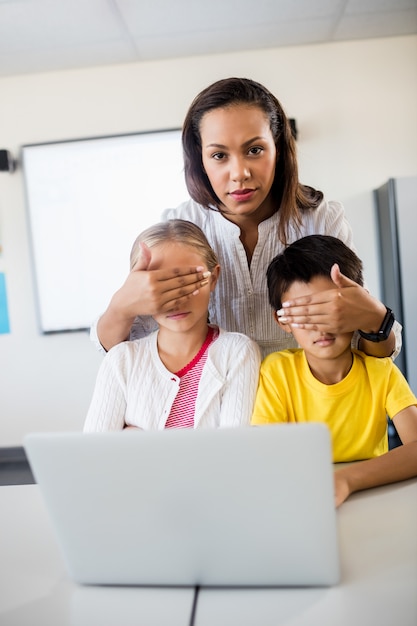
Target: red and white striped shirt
(183, 408)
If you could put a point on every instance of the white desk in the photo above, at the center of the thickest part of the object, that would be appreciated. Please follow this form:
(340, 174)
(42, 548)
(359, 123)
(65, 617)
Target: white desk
(378, 543)
(35, 588)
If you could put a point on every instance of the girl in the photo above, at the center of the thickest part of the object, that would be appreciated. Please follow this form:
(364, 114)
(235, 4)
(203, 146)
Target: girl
(242, 175)
(187, 373)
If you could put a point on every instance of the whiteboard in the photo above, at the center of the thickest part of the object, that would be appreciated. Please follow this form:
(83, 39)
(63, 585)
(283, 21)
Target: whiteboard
(87, 200)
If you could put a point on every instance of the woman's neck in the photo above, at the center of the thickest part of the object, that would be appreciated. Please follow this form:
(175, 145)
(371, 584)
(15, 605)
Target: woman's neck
(249, 239)
(249, 224)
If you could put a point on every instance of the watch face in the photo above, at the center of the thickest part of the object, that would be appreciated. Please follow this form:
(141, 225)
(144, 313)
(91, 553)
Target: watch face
(385, 329)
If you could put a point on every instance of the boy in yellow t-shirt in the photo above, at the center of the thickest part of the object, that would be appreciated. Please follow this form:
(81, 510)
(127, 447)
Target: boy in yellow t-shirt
(327, 381)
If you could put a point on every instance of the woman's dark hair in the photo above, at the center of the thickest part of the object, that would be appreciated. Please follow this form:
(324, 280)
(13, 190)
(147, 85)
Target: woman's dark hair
(289, 195)
(307, 258)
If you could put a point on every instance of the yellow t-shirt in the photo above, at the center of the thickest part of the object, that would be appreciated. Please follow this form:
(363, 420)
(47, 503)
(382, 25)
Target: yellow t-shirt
(355, 409)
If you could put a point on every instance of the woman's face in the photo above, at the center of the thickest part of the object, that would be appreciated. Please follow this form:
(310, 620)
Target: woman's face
(239, 158)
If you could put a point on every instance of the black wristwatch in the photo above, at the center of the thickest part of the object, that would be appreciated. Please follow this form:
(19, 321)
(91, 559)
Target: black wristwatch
(384, 331)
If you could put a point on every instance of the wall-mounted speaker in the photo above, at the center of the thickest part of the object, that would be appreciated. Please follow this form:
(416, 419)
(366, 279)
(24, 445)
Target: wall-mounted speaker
(294, 128)
(7, 163)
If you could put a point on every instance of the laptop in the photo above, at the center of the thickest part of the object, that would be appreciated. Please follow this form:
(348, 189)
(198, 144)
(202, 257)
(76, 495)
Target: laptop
(249, 506)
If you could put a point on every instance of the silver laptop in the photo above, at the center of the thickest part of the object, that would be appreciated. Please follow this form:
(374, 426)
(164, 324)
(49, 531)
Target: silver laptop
(228, 507)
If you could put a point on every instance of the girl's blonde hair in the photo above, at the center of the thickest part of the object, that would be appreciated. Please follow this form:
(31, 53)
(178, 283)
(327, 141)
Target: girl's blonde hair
(178, 231)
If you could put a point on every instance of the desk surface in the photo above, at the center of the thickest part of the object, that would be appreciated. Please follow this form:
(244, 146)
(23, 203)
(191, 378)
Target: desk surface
(35, 588)
(378, 546)
(378, 549)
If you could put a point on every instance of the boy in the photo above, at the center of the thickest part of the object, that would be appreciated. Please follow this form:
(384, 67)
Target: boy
(327, 381)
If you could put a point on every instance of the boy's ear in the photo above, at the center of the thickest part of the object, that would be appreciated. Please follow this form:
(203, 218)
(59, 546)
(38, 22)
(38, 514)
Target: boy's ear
(283, 326)
(215, 273)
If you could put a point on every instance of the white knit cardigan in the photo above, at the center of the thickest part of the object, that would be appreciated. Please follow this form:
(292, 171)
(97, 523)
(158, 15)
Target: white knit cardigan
(134, 387)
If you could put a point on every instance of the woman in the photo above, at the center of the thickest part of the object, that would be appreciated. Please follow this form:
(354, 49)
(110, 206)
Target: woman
(242, 175)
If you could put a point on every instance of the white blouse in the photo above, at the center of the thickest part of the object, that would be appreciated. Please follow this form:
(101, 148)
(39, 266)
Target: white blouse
(240, 301)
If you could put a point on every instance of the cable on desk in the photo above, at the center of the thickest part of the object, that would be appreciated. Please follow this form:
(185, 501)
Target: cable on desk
(194, 607)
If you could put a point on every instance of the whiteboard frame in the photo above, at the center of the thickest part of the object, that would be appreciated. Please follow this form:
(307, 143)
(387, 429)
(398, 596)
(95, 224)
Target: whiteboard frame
(87, 200)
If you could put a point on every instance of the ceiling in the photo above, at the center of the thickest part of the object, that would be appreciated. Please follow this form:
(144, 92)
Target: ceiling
(48, 35)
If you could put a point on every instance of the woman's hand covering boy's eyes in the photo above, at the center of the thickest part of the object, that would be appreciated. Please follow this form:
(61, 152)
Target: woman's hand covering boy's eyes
(345, 308)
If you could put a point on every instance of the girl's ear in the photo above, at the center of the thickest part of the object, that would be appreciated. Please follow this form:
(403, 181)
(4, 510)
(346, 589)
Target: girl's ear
(215, 273)
(286, 327)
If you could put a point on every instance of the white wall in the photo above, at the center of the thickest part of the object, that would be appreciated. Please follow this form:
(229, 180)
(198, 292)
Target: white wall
(355, 104)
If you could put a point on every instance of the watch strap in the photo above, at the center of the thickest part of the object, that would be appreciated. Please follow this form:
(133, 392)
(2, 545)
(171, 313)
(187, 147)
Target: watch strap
(384, 331)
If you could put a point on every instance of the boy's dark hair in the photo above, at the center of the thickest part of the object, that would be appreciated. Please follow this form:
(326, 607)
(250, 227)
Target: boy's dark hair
(307, 258)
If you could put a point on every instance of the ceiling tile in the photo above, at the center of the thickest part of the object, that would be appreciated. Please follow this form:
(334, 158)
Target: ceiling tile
(44, 35)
